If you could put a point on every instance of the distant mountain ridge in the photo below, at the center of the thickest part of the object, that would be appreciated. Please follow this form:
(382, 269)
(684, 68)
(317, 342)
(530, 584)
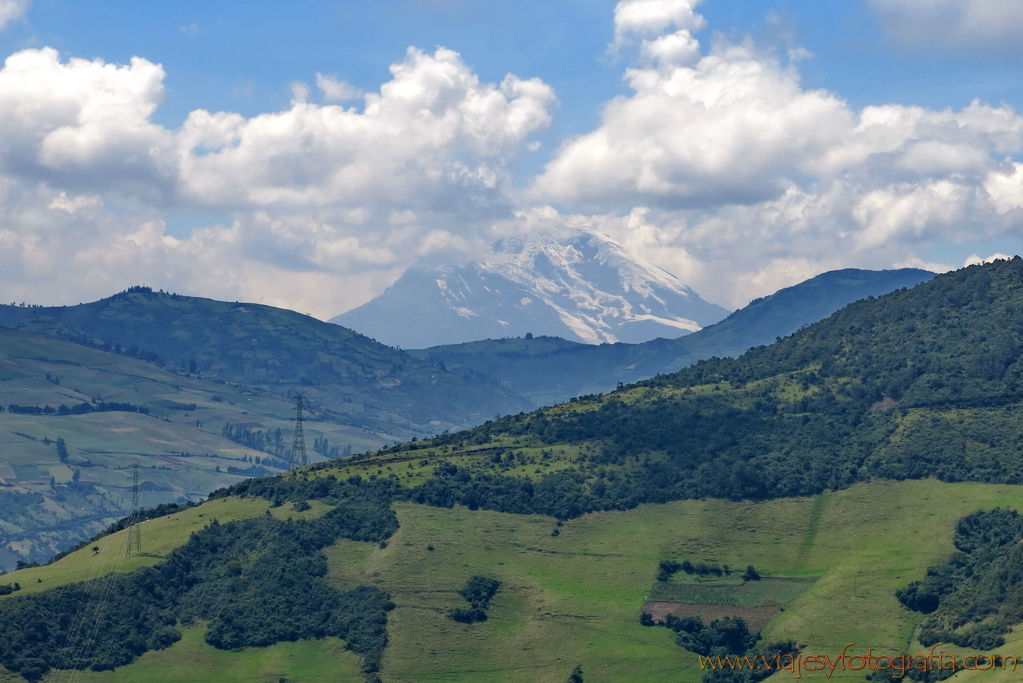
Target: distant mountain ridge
(582, 286)
(921, 382)
(552, 370)
(74, 419)
(349, 378)
(200, 392)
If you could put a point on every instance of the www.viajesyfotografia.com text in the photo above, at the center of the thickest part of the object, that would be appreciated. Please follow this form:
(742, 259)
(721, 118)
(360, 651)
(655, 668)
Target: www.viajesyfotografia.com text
(898, 665)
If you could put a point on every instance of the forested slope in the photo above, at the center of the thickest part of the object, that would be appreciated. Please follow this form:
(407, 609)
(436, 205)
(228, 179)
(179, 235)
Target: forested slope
(918, 383)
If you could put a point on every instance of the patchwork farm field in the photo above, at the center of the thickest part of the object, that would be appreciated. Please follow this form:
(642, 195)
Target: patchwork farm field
(832, 561)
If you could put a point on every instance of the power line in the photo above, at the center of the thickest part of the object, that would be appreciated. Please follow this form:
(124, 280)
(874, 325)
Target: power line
(134, 536)
(298, 454)
(94, 597)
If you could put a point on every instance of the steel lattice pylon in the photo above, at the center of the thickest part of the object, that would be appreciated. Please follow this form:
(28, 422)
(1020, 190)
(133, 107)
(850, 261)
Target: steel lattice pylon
(298, 454)
(134, 535)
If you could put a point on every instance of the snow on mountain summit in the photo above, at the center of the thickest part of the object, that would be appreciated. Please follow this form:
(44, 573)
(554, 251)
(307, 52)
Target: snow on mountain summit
(584, 286)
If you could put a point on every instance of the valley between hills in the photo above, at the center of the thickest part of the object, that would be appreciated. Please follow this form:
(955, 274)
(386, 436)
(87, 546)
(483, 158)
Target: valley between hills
(852, 482)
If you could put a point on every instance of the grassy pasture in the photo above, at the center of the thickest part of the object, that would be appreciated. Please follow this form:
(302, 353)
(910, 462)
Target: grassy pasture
(159, 537)
(192, 660)
(576, 598)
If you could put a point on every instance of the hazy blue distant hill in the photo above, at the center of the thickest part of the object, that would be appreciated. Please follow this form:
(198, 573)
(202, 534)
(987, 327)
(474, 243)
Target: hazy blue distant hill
(549, 371)
(74, 419)
(350, 378)
(763, 320)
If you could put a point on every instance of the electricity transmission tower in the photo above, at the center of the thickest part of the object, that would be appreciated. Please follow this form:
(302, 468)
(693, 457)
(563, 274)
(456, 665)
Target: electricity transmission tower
(298, 454)
(134, 536)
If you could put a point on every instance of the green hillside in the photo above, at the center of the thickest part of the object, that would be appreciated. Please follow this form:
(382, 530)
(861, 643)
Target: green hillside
(922, 382)
(349, 378)
(550, 370)
(575, 599)
(51, 499)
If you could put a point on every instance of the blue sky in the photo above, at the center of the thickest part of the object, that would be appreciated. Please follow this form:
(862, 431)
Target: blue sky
(243, 56)
(139, 205)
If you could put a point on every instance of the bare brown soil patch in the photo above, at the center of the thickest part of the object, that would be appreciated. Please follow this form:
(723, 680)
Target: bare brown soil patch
(755, 617)
(884, 405)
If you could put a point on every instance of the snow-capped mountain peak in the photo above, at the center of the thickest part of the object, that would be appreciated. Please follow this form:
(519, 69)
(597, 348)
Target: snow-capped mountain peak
(581, 285)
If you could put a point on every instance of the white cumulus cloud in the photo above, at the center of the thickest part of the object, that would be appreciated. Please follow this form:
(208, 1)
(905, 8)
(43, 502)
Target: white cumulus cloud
(737, 127)
(431, 138)
(975, 260)
(336, 91)
(642, 18)
(723, 168)
(329, 201)
(728, 129)
(84, 122)
(11, 10)
(663, 28)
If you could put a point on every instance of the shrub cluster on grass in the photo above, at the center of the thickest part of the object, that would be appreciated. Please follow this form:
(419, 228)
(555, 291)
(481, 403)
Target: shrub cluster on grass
(77, 409)
(668, 568)
(478, 592)
(727, 636)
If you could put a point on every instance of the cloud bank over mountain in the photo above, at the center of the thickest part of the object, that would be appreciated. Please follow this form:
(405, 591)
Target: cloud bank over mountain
(717, 165)
(736, 165)
(318, 193)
